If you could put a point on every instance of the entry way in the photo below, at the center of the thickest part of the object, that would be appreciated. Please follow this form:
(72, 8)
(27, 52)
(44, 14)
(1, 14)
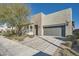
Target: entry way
(36, 29)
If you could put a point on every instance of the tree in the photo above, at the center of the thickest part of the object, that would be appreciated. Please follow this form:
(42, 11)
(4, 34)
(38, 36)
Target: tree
(15, 15)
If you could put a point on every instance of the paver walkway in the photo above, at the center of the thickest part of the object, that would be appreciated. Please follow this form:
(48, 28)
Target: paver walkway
(42, 45)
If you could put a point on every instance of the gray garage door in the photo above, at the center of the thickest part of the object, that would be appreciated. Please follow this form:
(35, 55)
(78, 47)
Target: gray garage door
(56, 31)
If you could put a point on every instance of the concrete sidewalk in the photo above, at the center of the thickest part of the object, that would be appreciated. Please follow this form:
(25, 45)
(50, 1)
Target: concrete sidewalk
(11, 48)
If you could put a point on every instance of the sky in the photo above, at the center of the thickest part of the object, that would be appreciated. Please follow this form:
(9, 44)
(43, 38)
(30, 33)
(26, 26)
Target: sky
(48, 8)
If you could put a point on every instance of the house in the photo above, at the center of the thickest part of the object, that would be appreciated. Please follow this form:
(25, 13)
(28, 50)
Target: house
(54, 24)
(4, 28)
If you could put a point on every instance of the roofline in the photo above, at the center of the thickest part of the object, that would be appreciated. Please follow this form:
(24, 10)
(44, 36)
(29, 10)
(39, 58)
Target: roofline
(37, 14)
(52, 12)
(59, 11)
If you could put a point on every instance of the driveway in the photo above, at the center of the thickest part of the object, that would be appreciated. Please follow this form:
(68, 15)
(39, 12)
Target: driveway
(46, 44)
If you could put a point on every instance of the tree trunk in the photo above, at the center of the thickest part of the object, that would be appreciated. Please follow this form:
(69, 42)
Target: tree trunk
(19, 32)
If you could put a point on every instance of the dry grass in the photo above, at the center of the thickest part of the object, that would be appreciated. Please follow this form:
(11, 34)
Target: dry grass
(18, 38)
(65, 52)
(13, 36)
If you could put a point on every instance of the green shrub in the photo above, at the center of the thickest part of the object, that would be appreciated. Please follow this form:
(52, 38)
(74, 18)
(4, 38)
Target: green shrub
(18, 38)
(76, 33)
(69, 52)
(8, 33)
(77, 42)
(0, 33)
(70, 38)
(65, 52)
(31, 36)
(68, 44)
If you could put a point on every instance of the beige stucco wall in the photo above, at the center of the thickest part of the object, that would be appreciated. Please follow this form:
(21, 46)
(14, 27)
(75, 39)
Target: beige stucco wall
(37, 20)
(63, 16)
(69, 29)
(58, 17)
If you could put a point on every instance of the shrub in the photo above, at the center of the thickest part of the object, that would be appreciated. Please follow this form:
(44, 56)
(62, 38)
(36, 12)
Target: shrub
(77, 42)
(18, 38)
(65, 52)
(68, 44)
(76, 33)
(8, 33)
(69, 52)
(0, 33)
(31, 36)
(70, 38)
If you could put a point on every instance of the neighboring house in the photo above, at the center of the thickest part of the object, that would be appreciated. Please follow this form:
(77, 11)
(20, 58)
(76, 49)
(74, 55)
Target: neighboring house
(54, 24)
(4, 28)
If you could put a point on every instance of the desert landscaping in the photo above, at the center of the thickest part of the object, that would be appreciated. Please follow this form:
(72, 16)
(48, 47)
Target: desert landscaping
(19, 37)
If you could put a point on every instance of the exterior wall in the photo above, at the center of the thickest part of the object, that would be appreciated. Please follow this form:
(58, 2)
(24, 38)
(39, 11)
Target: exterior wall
(69, 29)
(64, 16)
(60, 17)
(36, 19)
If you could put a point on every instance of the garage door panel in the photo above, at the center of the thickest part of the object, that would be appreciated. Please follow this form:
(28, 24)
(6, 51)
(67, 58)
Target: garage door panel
(53, 31)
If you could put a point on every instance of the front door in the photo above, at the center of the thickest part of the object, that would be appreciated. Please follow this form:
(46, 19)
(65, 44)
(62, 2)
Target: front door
(36, 27)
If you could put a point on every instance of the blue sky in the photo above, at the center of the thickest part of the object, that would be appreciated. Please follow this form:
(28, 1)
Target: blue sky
(48, 8)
